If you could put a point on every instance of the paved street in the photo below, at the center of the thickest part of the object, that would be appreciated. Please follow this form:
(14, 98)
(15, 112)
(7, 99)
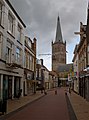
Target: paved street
(80, 106)
(50, 107)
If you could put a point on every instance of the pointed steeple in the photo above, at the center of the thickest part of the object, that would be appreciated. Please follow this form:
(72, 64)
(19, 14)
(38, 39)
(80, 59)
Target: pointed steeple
(58, 32)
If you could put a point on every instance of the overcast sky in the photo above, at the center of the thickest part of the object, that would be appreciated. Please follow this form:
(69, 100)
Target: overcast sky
(40, 17)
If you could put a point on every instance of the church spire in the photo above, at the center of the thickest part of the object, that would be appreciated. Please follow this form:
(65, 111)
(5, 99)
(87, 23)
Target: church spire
(58, 32)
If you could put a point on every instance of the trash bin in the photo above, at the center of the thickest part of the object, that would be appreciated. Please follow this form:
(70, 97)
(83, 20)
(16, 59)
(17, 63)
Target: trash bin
(3, 106)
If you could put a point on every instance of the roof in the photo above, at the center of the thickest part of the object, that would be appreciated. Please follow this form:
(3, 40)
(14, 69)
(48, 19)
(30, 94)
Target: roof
(65, 68)
(58, 32)
(52, 73)
(76, 47)
(45, 68)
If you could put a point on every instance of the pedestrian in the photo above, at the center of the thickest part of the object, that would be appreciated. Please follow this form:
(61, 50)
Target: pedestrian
(55, 92)
(19, 93)
(45, 92)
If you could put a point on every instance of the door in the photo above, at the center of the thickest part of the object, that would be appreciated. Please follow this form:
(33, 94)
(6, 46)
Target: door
(9, 87)
(5, 87)
(16, 86)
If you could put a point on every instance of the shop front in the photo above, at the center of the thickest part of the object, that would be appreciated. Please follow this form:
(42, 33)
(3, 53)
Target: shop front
(9, 86)
(29, 77)
(87, 87)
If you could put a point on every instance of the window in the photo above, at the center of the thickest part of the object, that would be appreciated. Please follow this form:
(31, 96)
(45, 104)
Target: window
(31, 62)
(26, 60)
(0, 12)
(0, 44)
(29, 43)
(8, 51)
(18, 51)
(19, 33)
(11, 21)
(8, 54)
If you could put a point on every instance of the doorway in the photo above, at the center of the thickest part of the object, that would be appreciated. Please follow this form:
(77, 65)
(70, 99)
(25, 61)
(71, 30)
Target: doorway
(9, 87)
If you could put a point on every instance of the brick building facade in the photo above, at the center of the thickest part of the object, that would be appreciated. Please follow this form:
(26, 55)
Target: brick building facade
(58, 49)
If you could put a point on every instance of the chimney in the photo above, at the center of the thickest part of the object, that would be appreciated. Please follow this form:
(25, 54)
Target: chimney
(41, 62)
(34, 45)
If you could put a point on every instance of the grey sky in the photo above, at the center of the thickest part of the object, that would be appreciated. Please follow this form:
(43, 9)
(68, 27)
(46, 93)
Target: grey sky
(40, 17)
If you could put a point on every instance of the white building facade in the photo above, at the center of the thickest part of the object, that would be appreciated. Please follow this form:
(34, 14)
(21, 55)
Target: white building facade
(11, 51)
(76, 71)
(29, 64)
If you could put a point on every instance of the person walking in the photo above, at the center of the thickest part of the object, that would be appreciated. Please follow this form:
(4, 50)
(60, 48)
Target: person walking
(56, 92)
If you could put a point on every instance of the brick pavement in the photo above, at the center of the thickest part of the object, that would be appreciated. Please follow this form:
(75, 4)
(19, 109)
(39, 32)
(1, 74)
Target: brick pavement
(51, 107)
(15, 104)
(80, 106)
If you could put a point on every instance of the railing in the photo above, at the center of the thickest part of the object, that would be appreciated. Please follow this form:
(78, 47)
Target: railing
(17, 60)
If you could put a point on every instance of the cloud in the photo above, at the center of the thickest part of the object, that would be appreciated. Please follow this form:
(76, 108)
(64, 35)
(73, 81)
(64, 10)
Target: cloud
(40, 17)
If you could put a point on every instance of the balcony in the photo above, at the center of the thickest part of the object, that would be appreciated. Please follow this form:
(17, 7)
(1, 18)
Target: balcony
(13, 62)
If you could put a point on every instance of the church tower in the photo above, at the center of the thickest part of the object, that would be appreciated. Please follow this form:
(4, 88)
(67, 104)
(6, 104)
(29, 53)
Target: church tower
(58, 49)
